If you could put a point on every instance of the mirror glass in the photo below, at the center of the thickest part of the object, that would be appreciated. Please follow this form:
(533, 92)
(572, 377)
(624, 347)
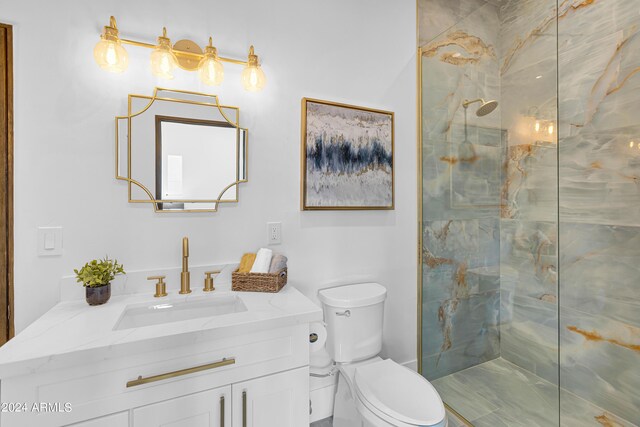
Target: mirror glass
(181, 151)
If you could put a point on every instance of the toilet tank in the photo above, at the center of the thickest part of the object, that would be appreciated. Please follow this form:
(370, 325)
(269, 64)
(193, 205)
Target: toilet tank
(353, 315)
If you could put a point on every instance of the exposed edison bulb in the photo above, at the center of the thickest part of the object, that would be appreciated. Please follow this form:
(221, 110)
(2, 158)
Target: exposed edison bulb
(632, 143)
(163, 60)
(550, 129)
(109, 53)
(210, 68)
(537, 127)
(253, 78)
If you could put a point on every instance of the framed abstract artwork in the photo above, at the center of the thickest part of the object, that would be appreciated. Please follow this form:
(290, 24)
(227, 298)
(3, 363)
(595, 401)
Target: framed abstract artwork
(347, 157)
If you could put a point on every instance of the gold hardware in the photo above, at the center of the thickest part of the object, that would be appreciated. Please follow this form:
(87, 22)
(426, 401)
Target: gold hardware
(229, 113)
(244, 408)
(185, 276)
(141, 380)
(161, 286)
(222, 411)
(208, 281)
(188, 54)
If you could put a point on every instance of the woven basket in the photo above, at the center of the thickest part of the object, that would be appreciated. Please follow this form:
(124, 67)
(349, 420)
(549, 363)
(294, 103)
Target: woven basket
(258, 282)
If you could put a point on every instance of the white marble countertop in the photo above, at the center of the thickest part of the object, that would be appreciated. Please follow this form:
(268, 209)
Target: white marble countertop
(73, 330)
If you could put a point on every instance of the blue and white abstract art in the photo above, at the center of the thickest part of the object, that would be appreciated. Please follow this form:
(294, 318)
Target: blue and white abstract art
(347, 157)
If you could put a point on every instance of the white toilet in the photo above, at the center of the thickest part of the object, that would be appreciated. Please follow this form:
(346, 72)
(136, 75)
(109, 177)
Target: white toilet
(371, 391)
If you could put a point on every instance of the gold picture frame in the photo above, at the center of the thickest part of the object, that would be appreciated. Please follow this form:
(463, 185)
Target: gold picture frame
(341, 164)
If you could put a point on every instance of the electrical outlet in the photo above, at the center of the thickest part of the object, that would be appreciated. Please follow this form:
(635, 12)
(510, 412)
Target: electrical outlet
(275, 233)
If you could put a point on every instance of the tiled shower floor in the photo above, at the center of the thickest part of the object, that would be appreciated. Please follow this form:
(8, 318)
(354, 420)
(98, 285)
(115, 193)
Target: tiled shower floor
(500, 394)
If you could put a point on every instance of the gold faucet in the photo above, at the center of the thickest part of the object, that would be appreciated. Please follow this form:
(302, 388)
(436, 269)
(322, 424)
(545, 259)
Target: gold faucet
(185, 282)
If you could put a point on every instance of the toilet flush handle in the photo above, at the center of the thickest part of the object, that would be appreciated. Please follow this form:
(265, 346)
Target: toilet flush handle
(346, 313)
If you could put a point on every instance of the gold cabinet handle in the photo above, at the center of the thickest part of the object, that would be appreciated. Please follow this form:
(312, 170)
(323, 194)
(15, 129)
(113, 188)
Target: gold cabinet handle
(244, 408)
(222, 411)
(140, 380)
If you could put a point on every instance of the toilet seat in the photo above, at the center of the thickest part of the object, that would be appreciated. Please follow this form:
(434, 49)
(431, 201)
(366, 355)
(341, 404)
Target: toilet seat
(395, 393)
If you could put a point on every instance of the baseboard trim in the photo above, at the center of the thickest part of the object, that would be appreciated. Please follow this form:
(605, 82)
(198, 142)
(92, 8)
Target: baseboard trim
(411, 364)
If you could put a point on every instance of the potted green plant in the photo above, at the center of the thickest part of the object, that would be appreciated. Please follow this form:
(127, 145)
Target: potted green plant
(96, 277)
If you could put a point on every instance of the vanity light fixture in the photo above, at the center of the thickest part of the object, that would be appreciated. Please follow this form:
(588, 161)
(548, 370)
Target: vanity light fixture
(163, 60)
(109, 53)
(210, 68)
(253, 78)
(186, 54)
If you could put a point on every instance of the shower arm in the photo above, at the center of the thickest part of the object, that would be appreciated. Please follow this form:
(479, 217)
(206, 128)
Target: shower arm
(466, 103)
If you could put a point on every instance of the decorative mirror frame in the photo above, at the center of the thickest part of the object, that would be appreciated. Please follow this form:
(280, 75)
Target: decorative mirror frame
(158, 95)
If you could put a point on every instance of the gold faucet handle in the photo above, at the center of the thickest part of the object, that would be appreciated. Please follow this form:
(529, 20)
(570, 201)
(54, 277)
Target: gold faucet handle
(208, 281)
(161, 286)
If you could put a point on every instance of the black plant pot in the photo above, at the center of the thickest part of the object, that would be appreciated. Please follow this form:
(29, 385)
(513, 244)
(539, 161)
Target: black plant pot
(98, 295)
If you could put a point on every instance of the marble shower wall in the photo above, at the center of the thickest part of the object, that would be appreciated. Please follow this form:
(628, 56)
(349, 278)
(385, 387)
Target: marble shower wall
(501, 276)
(599, 159)
(595, 260)
(461, 183)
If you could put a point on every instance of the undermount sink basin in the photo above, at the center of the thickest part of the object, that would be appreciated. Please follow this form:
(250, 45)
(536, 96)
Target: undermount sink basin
(160, 312)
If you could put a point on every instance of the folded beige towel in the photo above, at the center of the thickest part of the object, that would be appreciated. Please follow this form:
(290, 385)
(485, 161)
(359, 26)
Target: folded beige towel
(246, 263)
(278, 262)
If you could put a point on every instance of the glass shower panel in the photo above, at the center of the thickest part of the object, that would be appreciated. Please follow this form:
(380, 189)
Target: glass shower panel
(489, 279)
(462, 155)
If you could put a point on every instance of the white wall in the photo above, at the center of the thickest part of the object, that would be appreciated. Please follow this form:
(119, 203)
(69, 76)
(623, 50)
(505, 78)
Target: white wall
(358, 51)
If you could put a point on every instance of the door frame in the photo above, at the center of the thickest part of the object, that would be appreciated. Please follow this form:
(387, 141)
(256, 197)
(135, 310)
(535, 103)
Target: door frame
(7, 330)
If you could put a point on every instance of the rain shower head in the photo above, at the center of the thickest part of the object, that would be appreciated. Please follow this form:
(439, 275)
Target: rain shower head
(487, 107)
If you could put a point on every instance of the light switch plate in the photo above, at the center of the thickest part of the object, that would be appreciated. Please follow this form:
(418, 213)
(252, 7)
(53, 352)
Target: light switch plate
(49, 241)
(274, 230)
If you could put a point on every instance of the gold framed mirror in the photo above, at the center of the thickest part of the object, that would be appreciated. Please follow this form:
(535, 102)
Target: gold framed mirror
(181, 151)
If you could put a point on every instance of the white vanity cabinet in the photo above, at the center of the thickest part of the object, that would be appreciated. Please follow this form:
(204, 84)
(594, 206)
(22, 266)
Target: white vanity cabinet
(121, 419)
(256, 379)
(280, 400)
(211, 408)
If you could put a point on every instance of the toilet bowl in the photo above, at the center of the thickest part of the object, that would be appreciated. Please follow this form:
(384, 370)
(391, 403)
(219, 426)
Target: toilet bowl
(372, 392)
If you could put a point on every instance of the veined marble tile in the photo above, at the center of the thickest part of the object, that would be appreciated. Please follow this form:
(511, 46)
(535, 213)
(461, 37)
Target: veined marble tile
(600, 177)
(529, 183)
(435, 17)
(528, 259)
(577, 412)
(599, 361)
(599, 99)
(460, 295)
(595, 65)
(467, 243)
(527, 34)
(471, 323)
(529, 335)
(600, 267)
(521, 398)
(462, 178)
(518, 397)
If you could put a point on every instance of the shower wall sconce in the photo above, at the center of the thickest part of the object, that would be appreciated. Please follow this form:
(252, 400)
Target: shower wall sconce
(165, 57)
